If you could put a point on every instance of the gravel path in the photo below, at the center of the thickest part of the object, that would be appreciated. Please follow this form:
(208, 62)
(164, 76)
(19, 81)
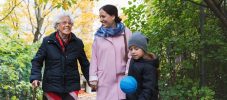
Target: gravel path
(87, 96)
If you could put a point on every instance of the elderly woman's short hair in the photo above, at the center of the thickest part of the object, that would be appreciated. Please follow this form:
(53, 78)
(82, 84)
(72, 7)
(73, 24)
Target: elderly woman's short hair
(57, 19)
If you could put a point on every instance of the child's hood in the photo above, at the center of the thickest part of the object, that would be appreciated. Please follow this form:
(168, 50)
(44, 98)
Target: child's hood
(154, 59)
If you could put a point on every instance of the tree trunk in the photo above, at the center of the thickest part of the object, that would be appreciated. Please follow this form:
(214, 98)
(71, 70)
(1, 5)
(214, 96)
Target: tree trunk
(202, 67)
(218, 10)
(39, 20)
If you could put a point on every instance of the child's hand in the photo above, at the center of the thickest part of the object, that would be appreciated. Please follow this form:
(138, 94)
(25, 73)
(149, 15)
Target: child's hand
(126, 74)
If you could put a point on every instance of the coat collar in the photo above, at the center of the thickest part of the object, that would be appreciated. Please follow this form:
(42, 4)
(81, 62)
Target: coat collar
(52, 36)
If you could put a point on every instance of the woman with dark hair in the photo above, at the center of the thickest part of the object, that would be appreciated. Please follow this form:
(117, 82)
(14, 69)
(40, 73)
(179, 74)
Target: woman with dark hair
(109, 55)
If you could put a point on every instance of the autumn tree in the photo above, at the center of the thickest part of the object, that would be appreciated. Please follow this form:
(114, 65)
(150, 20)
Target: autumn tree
(11, 6)
(38, 14)
(84, 22)
(38, 11)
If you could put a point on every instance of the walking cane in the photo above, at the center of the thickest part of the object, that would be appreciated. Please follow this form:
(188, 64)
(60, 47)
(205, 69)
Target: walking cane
(34, 93)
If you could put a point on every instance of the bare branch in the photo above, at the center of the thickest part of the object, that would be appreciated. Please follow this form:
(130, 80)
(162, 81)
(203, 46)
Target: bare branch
(15, 16)
(30, 18)
(45, 28)
(217, 11)
(50, 10)
(10, 11)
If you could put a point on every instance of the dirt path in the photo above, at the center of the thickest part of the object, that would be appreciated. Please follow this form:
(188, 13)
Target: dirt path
(87, 96)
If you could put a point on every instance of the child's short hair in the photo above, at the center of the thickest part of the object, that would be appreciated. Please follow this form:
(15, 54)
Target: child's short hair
(139, 40)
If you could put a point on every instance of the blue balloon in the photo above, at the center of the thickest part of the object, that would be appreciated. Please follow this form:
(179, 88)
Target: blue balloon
(128, 84)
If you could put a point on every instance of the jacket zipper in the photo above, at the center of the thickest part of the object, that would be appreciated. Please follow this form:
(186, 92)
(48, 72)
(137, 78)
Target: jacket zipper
(63, 60)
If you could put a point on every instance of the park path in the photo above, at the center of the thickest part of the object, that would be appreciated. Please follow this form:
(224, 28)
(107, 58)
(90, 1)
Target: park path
(87, 96)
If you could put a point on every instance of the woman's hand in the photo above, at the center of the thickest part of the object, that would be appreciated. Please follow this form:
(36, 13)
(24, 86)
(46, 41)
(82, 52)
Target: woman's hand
(93, 84)
(35, 84)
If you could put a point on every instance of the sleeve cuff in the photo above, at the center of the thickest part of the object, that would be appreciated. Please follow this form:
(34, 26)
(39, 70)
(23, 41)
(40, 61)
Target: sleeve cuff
(92, 78)
(126, 72)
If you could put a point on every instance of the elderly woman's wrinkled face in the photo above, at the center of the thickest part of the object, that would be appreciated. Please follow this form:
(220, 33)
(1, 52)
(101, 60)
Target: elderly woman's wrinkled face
(65, 25)
(106, 19)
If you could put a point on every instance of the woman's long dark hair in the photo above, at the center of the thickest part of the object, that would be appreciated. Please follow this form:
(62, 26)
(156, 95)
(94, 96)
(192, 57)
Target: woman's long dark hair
(111, 10)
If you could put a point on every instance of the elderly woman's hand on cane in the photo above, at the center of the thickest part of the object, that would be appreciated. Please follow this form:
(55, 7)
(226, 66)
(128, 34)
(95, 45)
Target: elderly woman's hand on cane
(35, 84)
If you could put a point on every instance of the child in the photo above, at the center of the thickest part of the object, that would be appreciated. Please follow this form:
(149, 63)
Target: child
(143, 67)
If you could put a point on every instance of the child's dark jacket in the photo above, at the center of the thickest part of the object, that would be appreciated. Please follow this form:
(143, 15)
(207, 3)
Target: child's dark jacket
(146, 74)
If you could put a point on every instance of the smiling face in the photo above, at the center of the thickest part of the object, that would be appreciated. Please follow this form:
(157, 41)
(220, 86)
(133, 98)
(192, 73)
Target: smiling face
(65, 25)
(136, 52)
(106, 19)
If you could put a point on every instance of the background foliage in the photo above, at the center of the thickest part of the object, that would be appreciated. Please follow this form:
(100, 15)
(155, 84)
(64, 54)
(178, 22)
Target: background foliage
(174, 31)
(15, 57)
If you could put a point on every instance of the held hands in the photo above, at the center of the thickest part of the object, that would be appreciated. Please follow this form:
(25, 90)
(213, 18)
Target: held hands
(35, 84)
(93, 84)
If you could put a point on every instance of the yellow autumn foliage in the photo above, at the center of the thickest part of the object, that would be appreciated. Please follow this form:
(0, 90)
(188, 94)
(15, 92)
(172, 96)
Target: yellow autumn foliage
(23, 19)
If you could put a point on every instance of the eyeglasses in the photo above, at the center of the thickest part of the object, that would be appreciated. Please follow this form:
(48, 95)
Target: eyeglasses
(65, 22)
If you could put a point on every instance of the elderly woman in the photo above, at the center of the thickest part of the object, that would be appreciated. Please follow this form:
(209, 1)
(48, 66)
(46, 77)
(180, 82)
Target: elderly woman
(60, 52)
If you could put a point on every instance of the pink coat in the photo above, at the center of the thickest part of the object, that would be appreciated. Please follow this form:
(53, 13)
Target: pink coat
(108, 65)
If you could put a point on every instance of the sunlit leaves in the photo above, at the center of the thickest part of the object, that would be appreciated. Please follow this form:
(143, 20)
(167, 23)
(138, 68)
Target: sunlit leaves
(197, 1)
(136, 17)
(83, 23)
